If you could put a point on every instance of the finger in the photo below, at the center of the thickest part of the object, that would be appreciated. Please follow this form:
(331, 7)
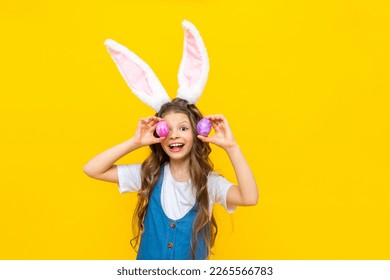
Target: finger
(215, 123)
(145, 121)
(213, 116)
(159, 140)
(204, 139)
(149, 119)
(153, 123)
(220, 119)
(154, 118)
(217, 119)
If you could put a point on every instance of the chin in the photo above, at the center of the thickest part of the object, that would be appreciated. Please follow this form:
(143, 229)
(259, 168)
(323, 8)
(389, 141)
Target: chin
(178, 156)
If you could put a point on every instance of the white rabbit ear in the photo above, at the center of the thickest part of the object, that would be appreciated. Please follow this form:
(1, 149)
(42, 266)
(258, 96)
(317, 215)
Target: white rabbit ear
(138, 75)
(194, 67)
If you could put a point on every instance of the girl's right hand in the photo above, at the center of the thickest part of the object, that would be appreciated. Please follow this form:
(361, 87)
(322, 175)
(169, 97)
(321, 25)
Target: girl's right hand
(144, 135)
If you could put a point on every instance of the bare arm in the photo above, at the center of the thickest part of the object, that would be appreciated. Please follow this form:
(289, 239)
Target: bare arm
(246, 192)
(102, 166)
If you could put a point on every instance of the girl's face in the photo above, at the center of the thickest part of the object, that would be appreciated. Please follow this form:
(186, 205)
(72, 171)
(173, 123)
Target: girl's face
(178, 143)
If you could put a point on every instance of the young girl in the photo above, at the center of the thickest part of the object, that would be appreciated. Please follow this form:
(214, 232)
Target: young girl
(176, 184)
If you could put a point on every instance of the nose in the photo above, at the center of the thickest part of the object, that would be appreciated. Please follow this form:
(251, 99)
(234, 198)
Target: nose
(173, 134)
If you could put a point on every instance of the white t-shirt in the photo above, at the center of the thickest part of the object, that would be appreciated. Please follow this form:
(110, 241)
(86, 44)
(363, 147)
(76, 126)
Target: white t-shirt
(177, 198)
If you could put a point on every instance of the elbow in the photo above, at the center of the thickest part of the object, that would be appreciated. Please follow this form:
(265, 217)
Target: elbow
(88, 171)
(252, 201)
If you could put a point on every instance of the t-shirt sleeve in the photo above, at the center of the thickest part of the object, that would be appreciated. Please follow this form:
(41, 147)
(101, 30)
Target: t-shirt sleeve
(129, 177)
(218, 187)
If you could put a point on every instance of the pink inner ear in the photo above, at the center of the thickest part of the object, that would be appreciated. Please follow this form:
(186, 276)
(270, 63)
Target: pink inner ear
(193, 62)
(134, 75)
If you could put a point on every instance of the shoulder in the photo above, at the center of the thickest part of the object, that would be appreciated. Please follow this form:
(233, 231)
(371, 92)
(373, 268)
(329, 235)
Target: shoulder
(218, 187)
(129, 169)
(217, 183)
(214, 179)
(129, 177)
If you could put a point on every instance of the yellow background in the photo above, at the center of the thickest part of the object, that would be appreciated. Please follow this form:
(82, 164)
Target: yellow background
(304, 84)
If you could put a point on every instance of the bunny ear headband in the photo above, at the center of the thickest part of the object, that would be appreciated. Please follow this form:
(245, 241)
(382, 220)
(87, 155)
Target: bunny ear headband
(193, 71)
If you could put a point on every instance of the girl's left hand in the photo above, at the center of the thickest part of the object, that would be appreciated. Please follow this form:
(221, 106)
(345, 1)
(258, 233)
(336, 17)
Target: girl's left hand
(223, 136)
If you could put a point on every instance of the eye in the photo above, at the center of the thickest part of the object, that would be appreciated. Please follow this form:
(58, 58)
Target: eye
(183, 128)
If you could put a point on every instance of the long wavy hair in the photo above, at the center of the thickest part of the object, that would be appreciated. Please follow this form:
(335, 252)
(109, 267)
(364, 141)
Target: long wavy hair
(201, 166)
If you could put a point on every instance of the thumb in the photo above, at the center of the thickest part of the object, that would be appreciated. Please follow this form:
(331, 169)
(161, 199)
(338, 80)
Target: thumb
(159, 140)
(204, 139)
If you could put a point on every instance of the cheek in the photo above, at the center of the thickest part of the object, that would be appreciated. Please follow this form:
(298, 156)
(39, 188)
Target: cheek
(163, 145)
(190, 136)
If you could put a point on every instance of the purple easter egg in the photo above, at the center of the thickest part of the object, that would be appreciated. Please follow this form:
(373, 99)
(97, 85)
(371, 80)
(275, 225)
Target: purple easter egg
(162, 129)
(204, 127)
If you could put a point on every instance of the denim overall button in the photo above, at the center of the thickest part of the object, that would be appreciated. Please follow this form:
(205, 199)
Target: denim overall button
(170, 245)
(173, 226)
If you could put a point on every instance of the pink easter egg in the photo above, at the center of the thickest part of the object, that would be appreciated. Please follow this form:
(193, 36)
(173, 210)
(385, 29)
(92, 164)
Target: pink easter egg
(162, 129)
(204, 127)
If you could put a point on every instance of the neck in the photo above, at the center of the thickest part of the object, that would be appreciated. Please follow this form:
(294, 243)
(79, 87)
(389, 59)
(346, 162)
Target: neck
(180, 170)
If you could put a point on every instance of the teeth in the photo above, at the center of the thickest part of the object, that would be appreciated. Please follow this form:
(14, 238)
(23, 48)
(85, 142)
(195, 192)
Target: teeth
(176, 145)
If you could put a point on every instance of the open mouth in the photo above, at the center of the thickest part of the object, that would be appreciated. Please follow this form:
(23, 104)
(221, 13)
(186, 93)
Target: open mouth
(176, 147)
